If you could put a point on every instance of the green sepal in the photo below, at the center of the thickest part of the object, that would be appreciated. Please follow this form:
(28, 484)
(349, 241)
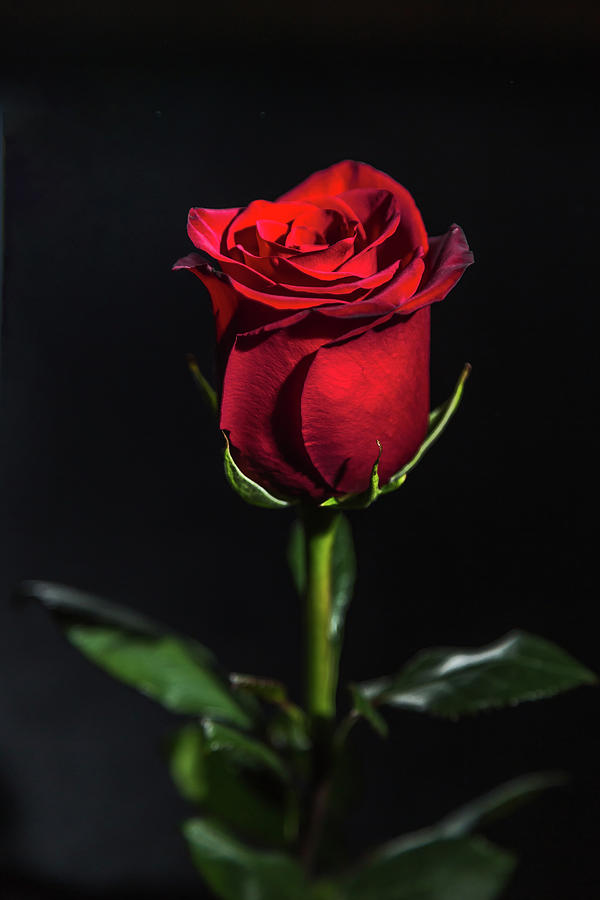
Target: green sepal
(247, 489)
(438, 419)
(364, 499)
(235, 871)
(176, 671)
(206, 389)
(451, 682)
(237, 779)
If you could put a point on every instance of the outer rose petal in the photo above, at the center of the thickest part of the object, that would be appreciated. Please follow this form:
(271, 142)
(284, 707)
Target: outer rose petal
(233, 312)
(206, 227)
(448, 257)
(260, 407)
(372, 388)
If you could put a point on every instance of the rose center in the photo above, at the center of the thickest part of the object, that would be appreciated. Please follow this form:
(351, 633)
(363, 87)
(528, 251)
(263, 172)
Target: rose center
(316, 228)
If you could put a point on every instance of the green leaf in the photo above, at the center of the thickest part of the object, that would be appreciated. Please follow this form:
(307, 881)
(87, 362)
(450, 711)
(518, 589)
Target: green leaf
(363, 707)
(239, 781)
(289, 729)
(247, 489)
(186, 763)
(246, 752)
(444, 862)
(453, 681)
(237, 872)
(425, 867)
(176, 671)
(438, 419)
(499, 802)
(206, 389)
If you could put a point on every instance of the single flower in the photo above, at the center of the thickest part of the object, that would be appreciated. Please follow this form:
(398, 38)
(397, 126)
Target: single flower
(321, 307)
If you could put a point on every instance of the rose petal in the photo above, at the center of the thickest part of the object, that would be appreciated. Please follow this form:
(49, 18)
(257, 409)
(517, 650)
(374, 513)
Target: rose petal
(389, 298)
(371, 388)
(448, 257)
(233, 313)
(349, 175)
(206, 227)
(261, 404)
(263, 209)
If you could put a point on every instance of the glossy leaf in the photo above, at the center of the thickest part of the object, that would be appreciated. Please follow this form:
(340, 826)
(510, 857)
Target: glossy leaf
(247, 489)
(234, 780)
(425, 867)
(452, 681)
(237, 872)
(177, 672)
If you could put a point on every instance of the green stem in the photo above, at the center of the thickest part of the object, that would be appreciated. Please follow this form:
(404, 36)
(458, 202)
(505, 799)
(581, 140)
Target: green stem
(321, 676)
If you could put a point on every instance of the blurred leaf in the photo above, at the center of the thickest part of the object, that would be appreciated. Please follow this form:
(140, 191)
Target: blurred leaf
(244, 751)
(186, 763)
(206, 389)
(237, 872)
(266, 689)
(363, 707)
(234, 778)
(451, 681)
(290, 731)
(247, 489)
(425, 867)
(176, 671)
(499, 802)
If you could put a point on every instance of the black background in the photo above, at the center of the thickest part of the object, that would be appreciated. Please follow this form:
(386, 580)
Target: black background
(111, 468)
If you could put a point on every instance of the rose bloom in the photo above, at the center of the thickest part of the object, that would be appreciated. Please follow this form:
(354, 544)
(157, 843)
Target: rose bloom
(322, 317)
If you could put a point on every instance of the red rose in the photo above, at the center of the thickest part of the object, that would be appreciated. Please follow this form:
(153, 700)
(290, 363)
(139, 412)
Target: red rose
(322, 318)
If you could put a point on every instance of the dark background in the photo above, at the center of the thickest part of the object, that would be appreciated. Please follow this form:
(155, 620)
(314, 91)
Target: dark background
(115, 124)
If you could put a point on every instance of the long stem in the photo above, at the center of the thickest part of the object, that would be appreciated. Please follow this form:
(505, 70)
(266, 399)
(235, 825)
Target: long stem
(321, 676)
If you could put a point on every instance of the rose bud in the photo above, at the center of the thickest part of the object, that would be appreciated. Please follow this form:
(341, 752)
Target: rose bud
(321, 308)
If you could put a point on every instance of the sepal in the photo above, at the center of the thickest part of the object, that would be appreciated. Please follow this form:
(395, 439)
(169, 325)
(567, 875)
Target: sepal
(206, 389)
(247, 489)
